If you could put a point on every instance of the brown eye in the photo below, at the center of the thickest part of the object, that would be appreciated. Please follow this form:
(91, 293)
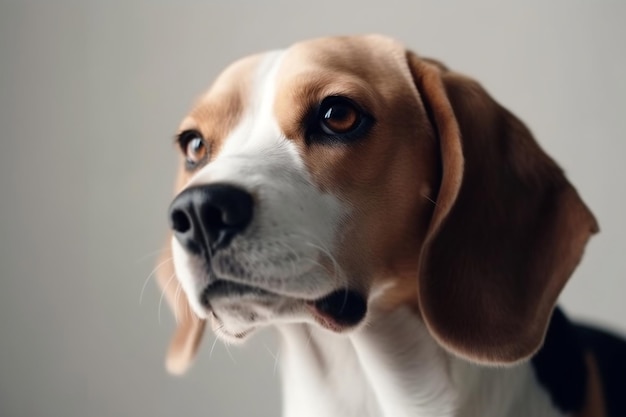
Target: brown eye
(338, 116)
(193, 147)
(337, 121)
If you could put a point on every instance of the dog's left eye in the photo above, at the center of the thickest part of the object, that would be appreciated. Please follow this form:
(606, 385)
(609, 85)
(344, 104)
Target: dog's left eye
(338, 119)
(194, 148)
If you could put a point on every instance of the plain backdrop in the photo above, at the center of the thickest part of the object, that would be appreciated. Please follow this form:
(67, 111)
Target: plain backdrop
(90, 96)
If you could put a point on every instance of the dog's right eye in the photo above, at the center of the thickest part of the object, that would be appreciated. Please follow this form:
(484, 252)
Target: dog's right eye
(337, 120)
(194, 148)
(338, 116)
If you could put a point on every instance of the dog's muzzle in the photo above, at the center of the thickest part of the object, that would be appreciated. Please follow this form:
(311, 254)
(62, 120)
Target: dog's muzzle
(206, 218)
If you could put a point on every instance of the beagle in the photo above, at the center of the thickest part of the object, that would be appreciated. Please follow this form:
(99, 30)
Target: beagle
(402, 231)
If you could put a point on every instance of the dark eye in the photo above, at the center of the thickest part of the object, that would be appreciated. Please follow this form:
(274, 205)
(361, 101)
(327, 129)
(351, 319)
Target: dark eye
(194, 147)
(338, 119)
(338, 116)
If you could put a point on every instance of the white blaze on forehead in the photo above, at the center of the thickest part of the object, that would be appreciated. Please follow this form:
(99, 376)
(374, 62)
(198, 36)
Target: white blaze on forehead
(259, 129)
(257, 140)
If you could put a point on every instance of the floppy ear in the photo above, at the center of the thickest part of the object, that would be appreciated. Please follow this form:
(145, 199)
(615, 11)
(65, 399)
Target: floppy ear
(507, 231)
(189, 328)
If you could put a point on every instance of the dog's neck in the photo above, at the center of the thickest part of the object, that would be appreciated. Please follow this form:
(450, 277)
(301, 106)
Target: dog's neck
(392, 367)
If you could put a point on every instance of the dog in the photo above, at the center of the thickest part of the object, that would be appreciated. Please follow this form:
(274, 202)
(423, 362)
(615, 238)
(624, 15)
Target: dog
(402, 231)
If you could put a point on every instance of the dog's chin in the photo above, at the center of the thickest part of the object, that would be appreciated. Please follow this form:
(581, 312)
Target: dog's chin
(237, 335)
(235, 311)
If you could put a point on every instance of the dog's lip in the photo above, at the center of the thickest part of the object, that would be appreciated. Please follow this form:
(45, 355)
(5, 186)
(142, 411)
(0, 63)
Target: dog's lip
(218, 324)
(338, 310)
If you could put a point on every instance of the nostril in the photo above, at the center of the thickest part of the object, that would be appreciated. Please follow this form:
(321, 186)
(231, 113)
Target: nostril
(180, 221)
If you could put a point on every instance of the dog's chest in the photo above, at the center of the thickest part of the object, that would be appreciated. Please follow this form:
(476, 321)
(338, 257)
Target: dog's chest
(323, 379)
(393, 368)
(386, 368)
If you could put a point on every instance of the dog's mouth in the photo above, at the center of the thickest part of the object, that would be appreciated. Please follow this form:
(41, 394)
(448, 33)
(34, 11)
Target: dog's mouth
(337, 311)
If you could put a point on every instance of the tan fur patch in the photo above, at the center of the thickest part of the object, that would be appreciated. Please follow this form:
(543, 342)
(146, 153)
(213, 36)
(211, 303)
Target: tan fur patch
(220, 109)
(508, 231)
(382, 176)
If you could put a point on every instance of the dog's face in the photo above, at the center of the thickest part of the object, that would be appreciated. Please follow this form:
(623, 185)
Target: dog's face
(322, 142)
(329, 179)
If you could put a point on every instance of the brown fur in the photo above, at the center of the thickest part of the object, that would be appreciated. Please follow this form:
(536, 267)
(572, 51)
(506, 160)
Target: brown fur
(219, 110)
(594, 399)
(508, 231)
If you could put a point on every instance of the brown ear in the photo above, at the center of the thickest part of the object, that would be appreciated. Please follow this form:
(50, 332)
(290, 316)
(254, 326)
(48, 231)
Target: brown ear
(189, 329)
(507, 231)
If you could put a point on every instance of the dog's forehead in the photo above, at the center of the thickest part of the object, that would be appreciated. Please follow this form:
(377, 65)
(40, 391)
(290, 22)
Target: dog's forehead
(219, 109)
(369, 58)
(360, 55)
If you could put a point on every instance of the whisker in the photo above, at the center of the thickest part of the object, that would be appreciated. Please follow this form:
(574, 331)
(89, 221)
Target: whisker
(298, 258)
(326, 252)
(214, 342)
(275, 356)
(156, 268)
(429, 199)
(150, 254)
(169, 281)
(309, 339)
(230, 354)
(269, 351)
(336, 270)
(276, 362)
(176, 304)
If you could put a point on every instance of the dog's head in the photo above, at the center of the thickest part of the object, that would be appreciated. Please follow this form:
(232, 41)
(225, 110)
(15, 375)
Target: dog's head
(348, 174)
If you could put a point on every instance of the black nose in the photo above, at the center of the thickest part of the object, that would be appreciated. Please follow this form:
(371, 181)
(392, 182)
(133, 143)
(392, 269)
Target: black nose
(206, 218)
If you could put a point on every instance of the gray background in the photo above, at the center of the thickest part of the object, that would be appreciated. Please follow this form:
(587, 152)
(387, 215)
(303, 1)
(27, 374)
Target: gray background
(90, 96)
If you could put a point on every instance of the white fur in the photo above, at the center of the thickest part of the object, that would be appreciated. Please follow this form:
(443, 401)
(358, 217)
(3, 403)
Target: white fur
(392, 367)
